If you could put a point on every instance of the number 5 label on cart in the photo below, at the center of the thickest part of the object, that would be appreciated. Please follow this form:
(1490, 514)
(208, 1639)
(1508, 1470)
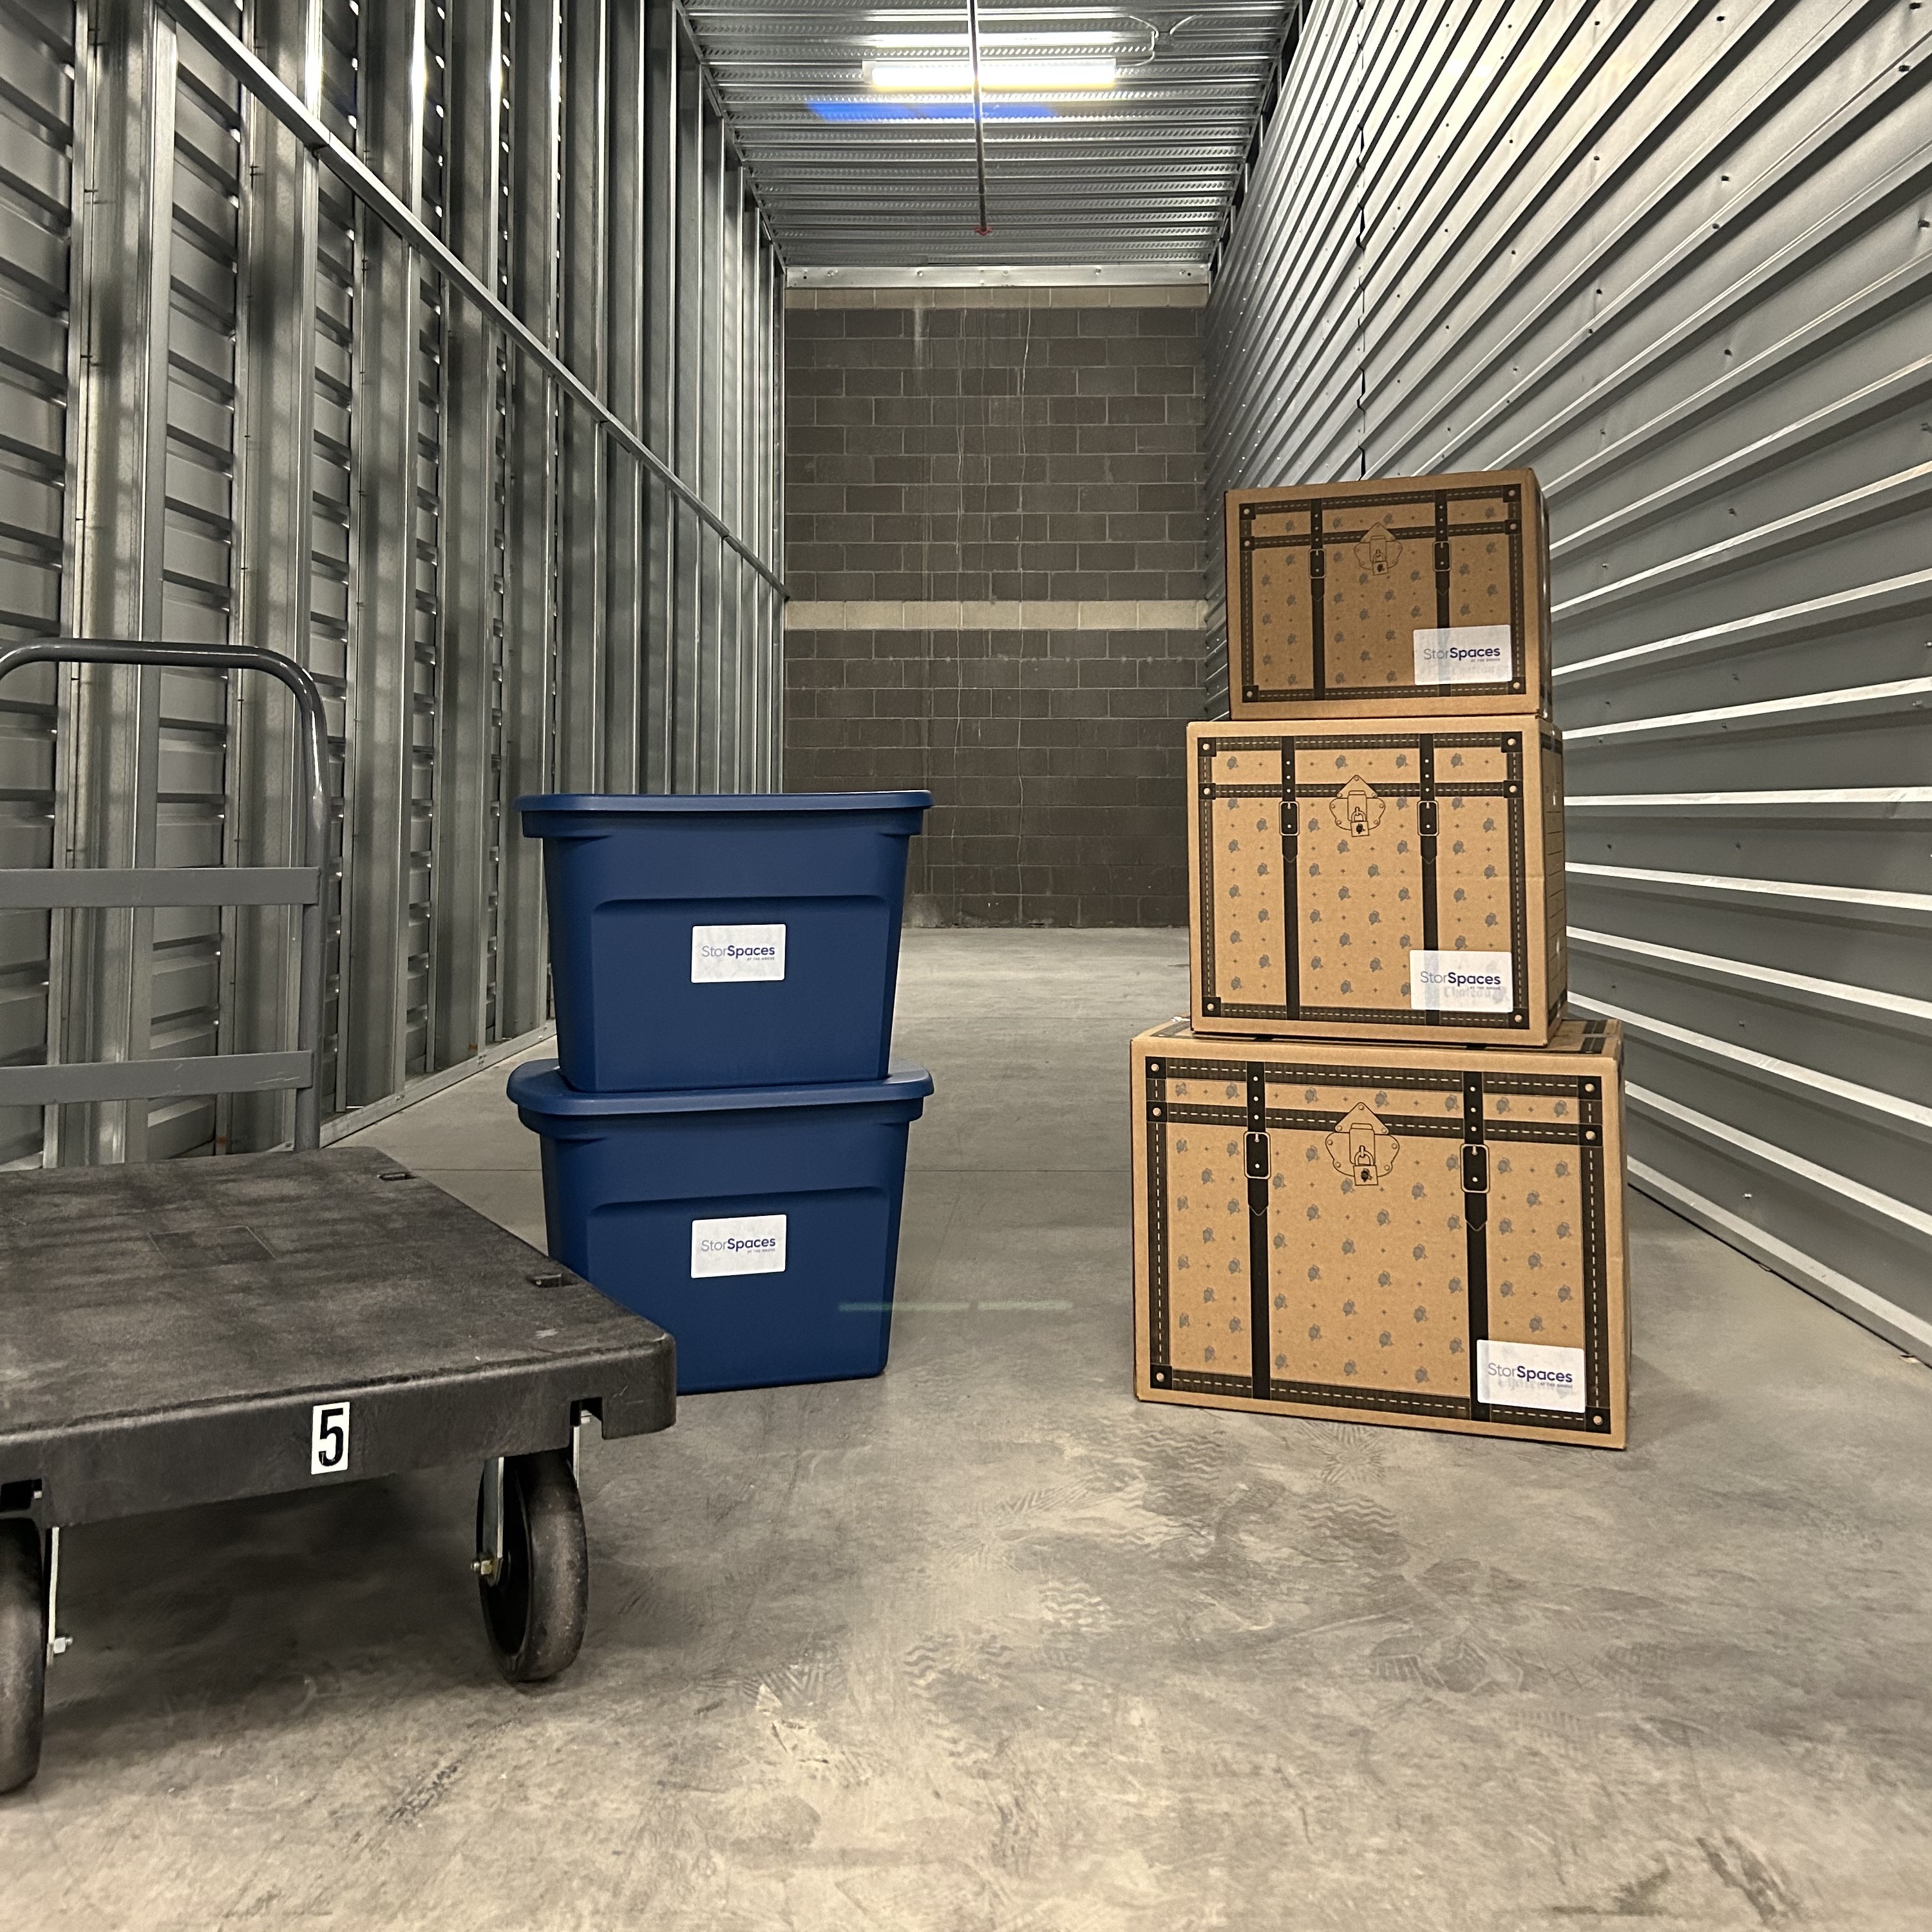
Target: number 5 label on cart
(328, 1438)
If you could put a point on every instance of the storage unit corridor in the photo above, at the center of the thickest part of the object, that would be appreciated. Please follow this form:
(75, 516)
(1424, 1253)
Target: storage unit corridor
(1427, 1236)
(1353, 880)
(1416, 597)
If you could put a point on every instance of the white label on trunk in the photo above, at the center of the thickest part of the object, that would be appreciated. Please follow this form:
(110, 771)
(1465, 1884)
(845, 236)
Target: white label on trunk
(1461, 983)
(736, 952)
(1525, 1374)
(744, 1244)
(1465, 654)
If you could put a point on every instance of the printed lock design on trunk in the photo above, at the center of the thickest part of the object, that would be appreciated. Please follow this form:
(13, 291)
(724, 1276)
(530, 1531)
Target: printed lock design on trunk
(1374, 592)
(1392, 880)
(1349, 1236)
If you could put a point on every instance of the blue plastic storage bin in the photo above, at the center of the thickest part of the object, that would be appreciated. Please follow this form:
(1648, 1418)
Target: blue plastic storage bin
(723, 941)
(760, 1226)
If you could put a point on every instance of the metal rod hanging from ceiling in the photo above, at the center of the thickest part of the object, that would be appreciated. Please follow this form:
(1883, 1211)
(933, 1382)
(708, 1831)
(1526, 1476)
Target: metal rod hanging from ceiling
(978, 112)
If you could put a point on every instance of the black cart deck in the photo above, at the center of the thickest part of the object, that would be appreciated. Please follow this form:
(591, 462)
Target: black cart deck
(201, 1329)
(181, 1333)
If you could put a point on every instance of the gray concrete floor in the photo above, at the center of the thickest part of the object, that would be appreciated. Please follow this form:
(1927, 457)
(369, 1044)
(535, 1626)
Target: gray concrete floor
(985, 1644)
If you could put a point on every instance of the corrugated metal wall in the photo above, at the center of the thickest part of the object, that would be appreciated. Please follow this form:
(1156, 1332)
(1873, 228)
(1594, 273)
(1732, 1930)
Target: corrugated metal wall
(354, 331)
(1677, 257)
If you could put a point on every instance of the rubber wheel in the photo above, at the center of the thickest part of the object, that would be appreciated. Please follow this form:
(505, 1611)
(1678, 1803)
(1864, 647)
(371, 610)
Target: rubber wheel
(534, 1608)
(23, 1652)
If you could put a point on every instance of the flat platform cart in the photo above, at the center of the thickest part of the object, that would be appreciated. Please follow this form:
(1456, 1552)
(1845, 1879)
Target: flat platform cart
(196, 1331)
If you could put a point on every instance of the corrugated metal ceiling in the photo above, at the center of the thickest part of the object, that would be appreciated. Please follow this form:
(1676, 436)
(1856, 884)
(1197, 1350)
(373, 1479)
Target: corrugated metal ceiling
(1139, 172)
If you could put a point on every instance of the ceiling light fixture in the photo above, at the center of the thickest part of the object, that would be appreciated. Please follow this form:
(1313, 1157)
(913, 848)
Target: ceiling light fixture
(954, 75)
(899, 109)
(922, 75)
(955, 44)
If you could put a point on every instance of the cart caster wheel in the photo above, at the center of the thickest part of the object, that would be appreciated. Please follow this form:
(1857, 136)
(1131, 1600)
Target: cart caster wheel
(23, 1652)
(534, 1607)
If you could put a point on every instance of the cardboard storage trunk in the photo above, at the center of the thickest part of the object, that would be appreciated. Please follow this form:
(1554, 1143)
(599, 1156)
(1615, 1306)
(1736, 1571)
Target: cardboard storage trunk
(1429, 1236)
(1360, 880)
(1408, 597)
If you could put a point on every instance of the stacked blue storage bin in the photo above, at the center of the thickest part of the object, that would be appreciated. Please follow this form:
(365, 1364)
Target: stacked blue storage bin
(724, 1138)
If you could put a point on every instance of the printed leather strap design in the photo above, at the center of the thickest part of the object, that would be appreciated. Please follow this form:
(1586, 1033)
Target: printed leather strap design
(1476, 1229)
(1427, 830)
(1260, 1347)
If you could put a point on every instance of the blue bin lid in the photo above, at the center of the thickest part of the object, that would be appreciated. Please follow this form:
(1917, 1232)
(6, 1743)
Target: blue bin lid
(622, 803)
(539, 1088)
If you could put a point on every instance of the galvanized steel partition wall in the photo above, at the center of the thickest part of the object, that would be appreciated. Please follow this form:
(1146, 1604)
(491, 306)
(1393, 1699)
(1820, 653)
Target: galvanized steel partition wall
(435, 345)
(1677, 257)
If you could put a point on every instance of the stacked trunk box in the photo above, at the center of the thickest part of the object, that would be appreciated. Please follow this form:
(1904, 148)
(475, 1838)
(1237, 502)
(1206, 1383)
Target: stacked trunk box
(1380, 1176)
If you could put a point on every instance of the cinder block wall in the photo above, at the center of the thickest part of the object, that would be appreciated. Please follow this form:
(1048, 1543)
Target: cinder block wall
(993, 541)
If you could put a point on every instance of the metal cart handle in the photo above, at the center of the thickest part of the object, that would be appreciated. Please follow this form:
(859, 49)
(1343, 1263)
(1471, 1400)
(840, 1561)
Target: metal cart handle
(39, 888)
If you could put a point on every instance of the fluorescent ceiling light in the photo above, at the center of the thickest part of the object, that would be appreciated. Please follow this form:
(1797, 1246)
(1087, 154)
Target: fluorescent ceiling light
(956, 44)
(954, 75)
(903, 108)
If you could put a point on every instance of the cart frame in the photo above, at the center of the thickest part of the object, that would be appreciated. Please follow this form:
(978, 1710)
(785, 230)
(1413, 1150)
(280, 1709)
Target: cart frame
(358, 1287)
(48, 888)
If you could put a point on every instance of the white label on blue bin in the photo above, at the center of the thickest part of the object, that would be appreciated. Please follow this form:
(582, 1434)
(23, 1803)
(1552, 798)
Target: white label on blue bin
(1530, 1375)
(736, 952)
(1461, 983)
(743, 1244)
(1465, 654)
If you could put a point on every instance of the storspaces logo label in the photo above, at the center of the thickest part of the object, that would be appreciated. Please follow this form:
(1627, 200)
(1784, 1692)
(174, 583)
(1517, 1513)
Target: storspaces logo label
(742, 1244)
(1465, 654)
(719, 953)
(1526, 1374)
(1461, 983)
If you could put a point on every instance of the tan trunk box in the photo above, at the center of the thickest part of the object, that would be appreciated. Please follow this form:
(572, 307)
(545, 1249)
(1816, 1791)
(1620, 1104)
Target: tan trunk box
(1429, 1237)
(1367, 879)
(1420, 596)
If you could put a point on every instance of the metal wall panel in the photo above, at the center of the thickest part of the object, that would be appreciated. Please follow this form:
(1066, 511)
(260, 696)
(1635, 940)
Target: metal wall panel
(1679, 259)
(107, 778)
(36, 142)
(367, 348)
(199, 575)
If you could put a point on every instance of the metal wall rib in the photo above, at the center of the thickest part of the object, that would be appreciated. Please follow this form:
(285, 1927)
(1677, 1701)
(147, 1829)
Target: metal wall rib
(361, 333)
(1679, 259)
(37, 166)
